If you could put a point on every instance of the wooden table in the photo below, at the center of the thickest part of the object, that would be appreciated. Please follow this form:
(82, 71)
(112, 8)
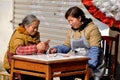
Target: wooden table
(45, 65)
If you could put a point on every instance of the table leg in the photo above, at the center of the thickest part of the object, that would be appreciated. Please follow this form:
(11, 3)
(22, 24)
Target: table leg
(87, 74)
(48, 73)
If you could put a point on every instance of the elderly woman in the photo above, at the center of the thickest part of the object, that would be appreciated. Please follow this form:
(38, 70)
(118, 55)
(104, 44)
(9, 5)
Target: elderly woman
(83, 35)
(25, 40)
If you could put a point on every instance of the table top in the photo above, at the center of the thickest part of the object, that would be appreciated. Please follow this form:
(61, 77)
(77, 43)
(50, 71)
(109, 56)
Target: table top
(51, 58)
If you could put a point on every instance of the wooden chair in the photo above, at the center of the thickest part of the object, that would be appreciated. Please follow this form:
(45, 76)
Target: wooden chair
(110, 48)
(4, 75)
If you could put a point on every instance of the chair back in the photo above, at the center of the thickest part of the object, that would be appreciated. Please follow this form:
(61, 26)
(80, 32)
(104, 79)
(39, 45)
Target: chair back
(110, 48)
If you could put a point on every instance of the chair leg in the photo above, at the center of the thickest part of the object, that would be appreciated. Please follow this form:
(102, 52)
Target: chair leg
(4, 76)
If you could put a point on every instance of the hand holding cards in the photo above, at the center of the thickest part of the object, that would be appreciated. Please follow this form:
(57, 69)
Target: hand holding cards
(43, 46)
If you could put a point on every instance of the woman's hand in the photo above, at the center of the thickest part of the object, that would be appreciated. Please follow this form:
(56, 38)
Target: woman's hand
(41, 46)
(52, 50)
(47, 45)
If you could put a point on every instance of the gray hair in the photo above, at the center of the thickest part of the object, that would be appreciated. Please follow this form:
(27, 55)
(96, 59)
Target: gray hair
(28, 20)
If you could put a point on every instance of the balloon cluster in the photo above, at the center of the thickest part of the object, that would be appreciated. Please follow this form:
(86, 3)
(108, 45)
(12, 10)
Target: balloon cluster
(111, 8)
(107, 11)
